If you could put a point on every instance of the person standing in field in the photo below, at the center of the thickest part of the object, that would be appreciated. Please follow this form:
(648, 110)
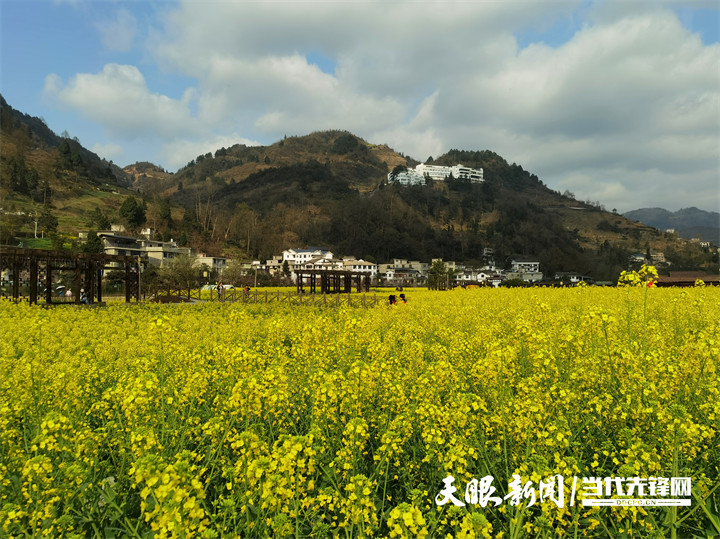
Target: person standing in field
(219, 291)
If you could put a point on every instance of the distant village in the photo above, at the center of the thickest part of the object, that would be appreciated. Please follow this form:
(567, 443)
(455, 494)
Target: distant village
(397, 272)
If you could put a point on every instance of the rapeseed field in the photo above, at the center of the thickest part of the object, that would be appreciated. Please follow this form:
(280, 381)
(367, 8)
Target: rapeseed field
(231, 420)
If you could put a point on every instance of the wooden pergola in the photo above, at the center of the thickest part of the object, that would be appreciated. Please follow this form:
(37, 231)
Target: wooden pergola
(332, 281)
(36, 267)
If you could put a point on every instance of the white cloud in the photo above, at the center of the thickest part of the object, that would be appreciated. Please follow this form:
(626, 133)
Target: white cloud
(630, 102)
(119, 99)
(119, 33)
(111, 151)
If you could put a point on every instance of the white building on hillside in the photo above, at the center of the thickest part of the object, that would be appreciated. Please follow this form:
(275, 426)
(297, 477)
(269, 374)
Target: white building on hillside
(437, 173)
(440, 173)
(409, 177)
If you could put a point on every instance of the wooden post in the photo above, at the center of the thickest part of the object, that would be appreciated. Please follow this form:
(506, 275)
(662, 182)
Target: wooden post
(127, 282)
(90, 280)
(16, 279)
(76, 283)
(48, 282)
(33, 279)
(99, 270)
(139, 287)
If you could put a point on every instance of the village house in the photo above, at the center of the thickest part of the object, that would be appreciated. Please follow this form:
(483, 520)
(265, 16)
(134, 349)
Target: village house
(402, 272)
(525, 265)
(362, 266)
(297, 258)
(158, 253)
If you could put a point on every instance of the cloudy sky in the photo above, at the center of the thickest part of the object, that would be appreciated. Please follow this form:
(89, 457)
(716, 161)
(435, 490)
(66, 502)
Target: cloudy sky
(616, 101)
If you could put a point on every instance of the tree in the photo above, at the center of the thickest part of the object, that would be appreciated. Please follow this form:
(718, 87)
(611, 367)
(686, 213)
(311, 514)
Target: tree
(47, 222)
(233, 272)
(165, 212)
(93, 244)
(150, 279)
(397, 170)
(286, 269)
(132, 212)
(345, 144)
(181, 272)
(437, 276)
(57, 241)
(99, 220)
(42, 193)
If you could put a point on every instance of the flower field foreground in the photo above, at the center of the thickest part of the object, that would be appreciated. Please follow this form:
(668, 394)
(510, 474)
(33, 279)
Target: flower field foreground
(217, 420)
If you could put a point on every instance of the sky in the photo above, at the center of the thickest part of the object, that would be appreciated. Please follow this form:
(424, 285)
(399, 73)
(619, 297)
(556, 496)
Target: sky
(615, 101)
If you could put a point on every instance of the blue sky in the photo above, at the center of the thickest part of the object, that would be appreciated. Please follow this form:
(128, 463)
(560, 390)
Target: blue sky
(615, 101)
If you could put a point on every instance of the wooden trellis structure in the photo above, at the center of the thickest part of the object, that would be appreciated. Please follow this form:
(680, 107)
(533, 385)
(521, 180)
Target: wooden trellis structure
(331, 281)
(238, 295)
(37, 266)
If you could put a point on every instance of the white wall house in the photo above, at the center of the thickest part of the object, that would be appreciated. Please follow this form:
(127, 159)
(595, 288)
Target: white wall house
(437, 173)
(297, 258)
(321, 263)
(360, 266)
(526, 265)
(527, 276)
(217, 263)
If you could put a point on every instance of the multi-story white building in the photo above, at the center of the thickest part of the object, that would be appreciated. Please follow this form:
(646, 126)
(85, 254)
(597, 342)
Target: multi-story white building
(437, 173)
(440, 173)
(351, 264)
(526, 265)
(321, 263)
(158, 252)
(297, 258)
(409, 177)
(404, 272)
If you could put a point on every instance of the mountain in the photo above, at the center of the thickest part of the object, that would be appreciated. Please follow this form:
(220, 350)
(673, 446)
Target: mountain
(688, 222)
(146, 176)
(363, 164)
(42, 173)
(29, 147)
(330, 188)
(326, 188)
